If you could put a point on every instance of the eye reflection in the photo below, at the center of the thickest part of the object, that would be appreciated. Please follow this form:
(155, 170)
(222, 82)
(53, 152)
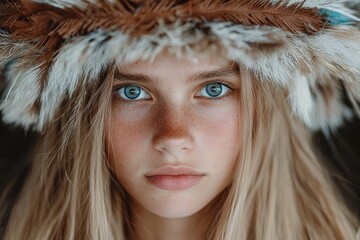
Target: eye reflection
(214, 89)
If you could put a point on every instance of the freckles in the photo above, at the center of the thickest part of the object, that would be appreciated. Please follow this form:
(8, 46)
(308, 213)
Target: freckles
(126, 138)
(173, 122)
(125, 135)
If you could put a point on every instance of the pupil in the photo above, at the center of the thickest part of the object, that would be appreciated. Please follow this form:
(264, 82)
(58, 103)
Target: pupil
(214, 89)
(132, 92)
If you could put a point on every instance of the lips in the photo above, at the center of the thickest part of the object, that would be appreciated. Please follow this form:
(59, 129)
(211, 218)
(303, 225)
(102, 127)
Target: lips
(174, 178)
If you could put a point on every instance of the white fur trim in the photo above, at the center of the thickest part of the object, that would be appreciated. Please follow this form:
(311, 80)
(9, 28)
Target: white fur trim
(339, 49)
(300, 97)
(328, 4)
(87, 56)
(237, 40)
(20, 96)
(279, 64)
(329, 110)
(69, 3)
(83, 58)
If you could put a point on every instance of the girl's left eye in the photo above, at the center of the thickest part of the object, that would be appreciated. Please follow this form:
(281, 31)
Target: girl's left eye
(213, 90)
(132, 93)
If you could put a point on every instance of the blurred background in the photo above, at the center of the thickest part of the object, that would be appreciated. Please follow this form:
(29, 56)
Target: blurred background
(341, 153)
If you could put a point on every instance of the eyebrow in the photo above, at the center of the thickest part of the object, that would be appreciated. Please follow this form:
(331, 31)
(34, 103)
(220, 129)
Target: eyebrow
(227, 71)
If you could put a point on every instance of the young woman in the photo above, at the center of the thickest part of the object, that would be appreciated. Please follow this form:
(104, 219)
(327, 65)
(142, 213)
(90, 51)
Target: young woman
(178, 119)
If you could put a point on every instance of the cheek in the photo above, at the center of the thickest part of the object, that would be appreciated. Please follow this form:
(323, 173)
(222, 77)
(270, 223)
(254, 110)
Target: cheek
(224, 129)
(124, 138)
(222, 125)
(221, 141)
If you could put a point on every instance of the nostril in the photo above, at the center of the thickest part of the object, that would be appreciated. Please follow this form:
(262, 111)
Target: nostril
(173, 146)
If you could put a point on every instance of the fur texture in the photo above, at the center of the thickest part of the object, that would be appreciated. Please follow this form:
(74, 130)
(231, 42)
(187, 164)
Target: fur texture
(48, 48)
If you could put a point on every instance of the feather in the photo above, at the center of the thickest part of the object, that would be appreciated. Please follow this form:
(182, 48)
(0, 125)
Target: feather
(144, 17)
(10, 15)
(300, 98)
(338, 15)
(21, 95)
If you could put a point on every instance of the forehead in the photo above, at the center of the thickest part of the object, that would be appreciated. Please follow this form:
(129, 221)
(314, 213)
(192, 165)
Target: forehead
(166, 65)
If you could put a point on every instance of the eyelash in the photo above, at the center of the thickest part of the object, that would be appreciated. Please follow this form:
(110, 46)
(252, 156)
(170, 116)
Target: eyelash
(226, 84)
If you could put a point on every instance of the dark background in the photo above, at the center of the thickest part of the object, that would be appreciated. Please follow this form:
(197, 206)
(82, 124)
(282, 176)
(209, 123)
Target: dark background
(342, 153)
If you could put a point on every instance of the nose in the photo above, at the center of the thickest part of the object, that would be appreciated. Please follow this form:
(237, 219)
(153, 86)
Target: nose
(172, 135)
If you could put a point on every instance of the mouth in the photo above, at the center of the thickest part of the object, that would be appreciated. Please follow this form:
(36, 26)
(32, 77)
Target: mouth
(174, 178)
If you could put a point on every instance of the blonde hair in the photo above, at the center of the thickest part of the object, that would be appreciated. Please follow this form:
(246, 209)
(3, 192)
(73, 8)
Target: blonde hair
(280, 189)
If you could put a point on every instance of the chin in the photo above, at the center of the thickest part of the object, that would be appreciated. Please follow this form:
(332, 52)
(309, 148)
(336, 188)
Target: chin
(176, 206)
(176, 211)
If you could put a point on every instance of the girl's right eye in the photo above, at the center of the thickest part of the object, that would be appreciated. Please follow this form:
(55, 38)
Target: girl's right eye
(132, 93)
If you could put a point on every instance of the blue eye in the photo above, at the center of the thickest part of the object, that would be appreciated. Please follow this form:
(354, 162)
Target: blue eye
(132, 92)
(214, 90)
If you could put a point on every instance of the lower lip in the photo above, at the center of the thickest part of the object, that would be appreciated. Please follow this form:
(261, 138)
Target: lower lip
(174, 182)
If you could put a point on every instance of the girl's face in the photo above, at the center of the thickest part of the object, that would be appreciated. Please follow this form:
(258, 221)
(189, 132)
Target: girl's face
(173, 133)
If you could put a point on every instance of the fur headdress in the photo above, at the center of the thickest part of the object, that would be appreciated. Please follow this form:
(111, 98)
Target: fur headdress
(309, 47)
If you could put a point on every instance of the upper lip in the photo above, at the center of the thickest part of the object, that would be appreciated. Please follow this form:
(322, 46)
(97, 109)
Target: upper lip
(174, 171)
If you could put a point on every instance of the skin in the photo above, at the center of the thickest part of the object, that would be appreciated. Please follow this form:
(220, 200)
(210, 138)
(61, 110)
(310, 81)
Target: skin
(174, 123)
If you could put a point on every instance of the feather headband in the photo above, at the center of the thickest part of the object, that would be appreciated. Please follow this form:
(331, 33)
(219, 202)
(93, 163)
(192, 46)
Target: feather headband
(309, 47)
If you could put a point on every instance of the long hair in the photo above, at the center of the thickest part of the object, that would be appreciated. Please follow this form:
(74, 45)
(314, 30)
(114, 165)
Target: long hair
(280, 189)
(67, 193)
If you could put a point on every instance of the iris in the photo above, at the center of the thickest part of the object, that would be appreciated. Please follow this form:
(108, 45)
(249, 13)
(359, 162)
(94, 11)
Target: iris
(132, 92)
(214, 89)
